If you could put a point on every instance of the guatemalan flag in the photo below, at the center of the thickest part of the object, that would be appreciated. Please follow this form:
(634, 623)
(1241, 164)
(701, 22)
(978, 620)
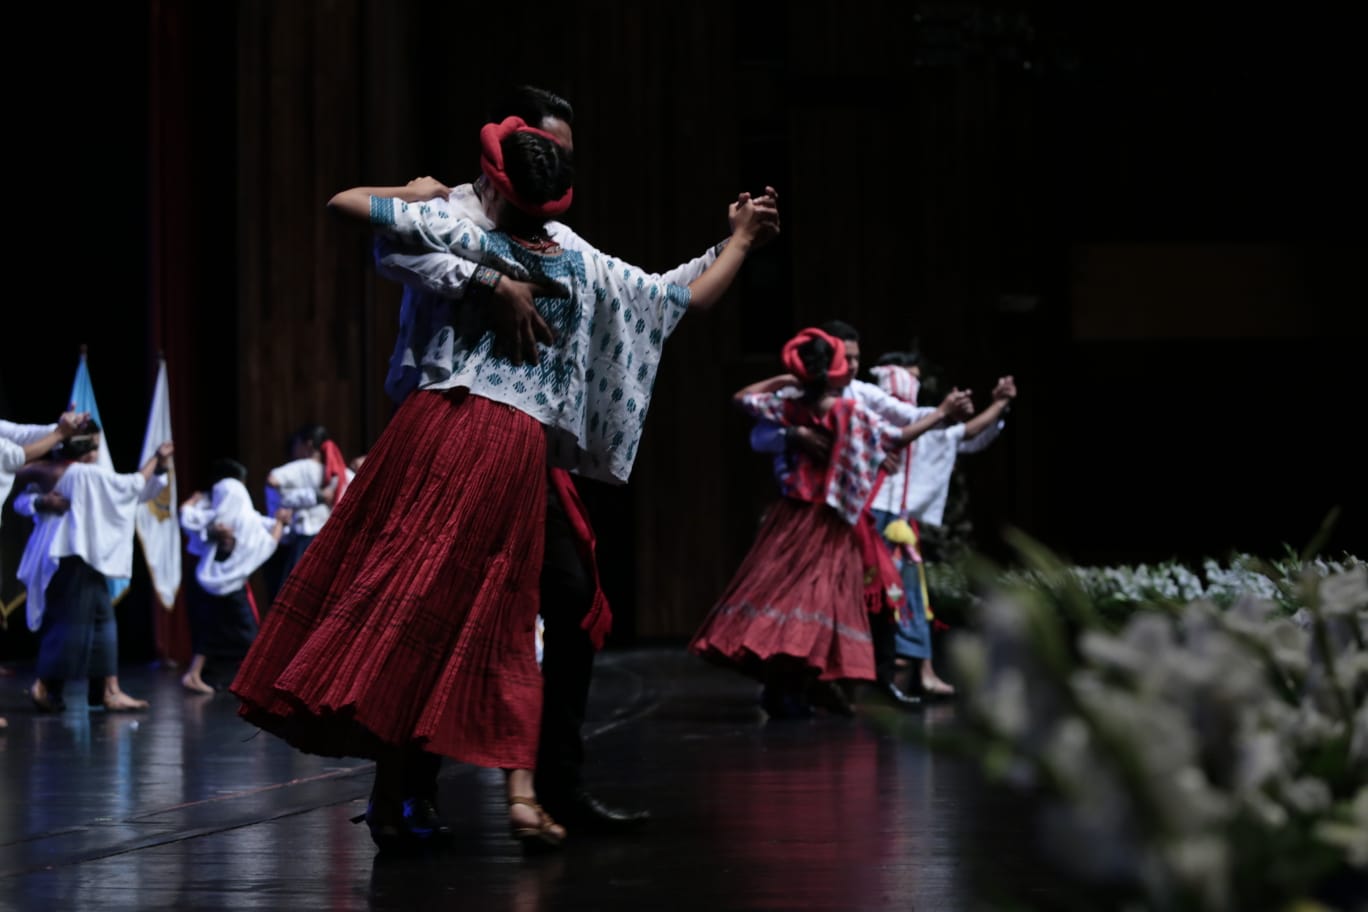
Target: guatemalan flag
(157, 524)
(83, 400)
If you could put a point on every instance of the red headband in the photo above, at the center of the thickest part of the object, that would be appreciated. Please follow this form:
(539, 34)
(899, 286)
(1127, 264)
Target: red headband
(839, 371)
(492, 136)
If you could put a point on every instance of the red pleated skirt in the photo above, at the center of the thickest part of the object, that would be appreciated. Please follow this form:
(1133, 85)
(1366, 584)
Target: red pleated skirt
(799, 593)
(410, 620)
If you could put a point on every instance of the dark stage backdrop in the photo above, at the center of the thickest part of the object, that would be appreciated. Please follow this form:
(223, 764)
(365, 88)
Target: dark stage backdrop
(1149, 216)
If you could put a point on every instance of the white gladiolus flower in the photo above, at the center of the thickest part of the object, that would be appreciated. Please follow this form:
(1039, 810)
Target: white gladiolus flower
(1351, 838)
(1211, 708)
(1310, 727)
(1290, 645)
(1202, 864)
(1152, 634)
(1068, 751)
(1358, 742)
(1112, 652)
(1003, 703)
(1307, 796)
(969, 656)
(1353, 668)
(1267, 811)
(1259, 760)
(1345, 593)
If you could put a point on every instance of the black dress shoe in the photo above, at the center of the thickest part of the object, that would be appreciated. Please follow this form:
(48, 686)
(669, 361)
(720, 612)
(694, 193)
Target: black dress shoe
(580, 811)
(894, 694)
(780, 705)
(830, 696)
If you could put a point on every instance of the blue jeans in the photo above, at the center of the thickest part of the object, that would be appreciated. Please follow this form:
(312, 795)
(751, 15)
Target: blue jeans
(912, 636)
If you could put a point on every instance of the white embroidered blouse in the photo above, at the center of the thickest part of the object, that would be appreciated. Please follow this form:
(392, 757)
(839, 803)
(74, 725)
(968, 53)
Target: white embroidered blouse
(591, 388)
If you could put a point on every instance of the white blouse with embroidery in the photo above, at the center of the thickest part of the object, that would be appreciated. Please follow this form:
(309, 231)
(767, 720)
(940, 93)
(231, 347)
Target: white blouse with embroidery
(591, 387)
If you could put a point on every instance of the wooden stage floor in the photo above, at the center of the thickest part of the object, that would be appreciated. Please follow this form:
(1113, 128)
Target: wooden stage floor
(184, 806)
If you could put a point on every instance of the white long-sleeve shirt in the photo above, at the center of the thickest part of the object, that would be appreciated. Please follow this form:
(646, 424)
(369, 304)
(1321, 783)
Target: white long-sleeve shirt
(229, 504)
(590, 388)
(97, 528)
(13, 439)
(927, 483)
(431, 278)
(299, 483)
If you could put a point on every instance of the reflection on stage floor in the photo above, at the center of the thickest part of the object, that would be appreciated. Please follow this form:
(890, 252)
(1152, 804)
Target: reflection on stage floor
(184, 806)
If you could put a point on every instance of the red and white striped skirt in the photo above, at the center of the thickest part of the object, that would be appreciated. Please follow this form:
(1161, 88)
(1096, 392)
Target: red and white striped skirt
(799, 593)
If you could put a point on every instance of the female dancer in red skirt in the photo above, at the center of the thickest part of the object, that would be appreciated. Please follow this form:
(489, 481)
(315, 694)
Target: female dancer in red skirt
(795, 612)
(406, 632)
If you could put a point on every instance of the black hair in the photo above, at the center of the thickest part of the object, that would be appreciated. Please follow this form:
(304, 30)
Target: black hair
(223, 468)
(841, 330)
(909, 358)
(79, 445)
(533, 105)
(816, 355)
(313, 434)
(539, 169)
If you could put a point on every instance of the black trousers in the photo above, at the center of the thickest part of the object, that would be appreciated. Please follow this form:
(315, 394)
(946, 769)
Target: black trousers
(79, 636)
(882, 631)
(567, 590)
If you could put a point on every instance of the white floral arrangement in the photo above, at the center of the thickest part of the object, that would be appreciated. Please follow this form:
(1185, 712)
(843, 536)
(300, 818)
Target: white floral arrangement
(1116, 590)
(1208, 752)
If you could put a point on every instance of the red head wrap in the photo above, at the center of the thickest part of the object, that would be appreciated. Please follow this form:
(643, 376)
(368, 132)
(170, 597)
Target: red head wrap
(839, 371)
(492, 136)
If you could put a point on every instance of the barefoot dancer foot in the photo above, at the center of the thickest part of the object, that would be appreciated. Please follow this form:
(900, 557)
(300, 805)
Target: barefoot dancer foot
(931, 682)
(116, 700)
(192, 679)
